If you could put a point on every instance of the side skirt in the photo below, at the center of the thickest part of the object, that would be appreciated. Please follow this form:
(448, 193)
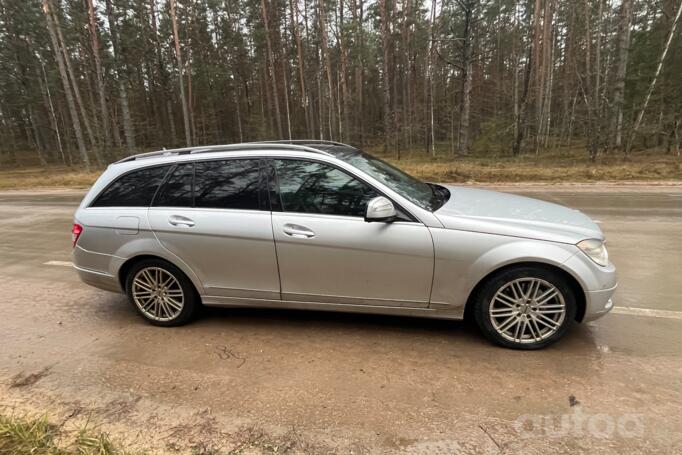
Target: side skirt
(443, 312)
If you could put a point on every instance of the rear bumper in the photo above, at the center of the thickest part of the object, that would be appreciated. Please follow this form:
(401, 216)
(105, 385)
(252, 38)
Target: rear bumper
(99, 279)
(92, 268)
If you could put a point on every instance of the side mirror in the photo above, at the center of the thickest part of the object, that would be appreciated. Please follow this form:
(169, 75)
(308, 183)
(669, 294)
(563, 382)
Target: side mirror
(380, 209)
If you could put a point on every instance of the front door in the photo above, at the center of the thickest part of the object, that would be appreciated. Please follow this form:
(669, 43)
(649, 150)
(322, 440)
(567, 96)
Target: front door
(214, 216)
(327, 252)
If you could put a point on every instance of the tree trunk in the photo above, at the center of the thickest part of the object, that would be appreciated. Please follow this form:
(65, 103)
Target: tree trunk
(239, 115)
(293, 7)
(385, 75)
(47, 95)
(47, 9)
(271, 68)
(343, 56)
(538, 70)
(640, 115)
(33, 135)
(163, 102)
(74, 85)
(521, 118)
(181, 82)
(469, 18)
(431, 138)
(327, 63)
(545, 75)
(407, 74)
(676, 134)
(286, 97)
(128, 130)
(358, 12)
(92, 25)
(587, 88)
(190, 94)
(515, 66)
(171, 122)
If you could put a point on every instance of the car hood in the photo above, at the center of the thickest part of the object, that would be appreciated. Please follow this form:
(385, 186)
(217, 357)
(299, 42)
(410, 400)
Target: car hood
(492, 212)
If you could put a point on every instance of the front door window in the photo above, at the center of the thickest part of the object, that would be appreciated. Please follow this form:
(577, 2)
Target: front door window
(312, 187)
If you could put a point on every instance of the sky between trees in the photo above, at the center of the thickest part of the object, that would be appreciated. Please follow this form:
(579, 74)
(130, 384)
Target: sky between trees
(85, 81)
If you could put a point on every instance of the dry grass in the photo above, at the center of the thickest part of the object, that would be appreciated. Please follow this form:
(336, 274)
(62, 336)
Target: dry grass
(53, 177)
(558, 167)
(508, 171)
(37, 436)
(566, 165)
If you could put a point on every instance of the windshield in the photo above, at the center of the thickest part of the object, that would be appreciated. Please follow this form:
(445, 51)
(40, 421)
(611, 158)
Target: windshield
(427, 196)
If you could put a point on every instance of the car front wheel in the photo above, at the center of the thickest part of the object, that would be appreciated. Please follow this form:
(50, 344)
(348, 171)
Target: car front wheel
(525, 307)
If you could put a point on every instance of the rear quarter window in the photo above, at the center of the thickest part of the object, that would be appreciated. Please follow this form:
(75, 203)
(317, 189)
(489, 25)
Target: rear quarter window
(134, 189)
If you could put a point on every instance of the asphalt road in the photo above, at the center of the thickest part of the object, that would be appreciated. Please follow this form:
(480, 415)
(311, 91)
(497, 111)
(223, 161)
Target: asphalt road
(266, 380)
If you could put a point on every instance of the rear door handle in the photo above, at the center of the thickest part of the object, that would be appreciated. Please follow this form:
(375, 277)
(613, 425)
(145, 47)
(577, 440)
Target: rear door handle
(181, 221)
(298, 232)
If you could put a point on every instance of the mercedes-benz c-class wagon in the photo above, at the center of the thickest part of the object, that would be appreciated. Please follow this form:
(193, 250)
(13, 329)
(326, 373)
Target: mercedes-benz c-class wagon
(324, 226)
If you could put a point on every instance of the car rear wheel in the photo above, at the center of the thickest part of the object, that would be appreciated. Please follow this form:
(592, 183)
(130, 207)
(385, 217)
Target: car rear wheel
(525, 307)
(161, 293)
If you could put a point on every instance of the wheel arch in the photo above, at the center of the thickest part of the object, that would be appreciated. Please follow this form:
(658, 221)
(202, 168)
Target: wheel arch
(576, 287)
(130, 262)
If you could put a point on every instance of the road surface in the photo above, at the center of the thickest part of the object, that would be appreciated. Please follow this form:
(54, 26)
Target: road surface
(259, 381)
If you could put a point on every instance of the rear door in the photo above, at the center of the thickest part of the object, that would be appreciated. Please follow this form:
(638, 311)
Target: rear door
(214, 215)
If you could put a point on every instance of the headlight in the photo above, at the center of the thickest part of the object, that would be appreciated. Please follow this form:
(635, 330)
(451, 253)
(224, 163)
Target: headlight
(596, 250)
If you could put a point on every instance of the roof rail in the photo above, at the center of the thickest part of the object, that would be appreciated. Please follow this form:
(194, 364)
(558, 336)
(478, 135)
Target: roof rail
(285, 145)
(258, 146)
(304, 142)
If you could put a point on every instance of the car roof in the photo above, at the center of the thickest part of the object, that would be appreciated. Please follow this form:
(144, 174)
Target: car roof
(312, 146)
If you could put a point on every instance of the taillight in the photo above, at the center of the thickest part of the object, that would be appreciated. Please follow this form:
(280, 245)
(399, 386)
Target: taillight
(76, 232)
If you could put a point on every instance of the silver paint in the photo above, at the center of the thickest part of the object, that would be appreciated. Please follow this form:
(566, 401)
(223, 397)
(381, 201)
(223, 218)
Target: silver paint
(427, 267)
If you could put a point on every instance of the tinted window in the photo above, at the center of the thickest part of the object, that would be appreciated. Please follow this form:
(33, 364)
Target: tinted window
(229, 184)
(177, 191)
(134, 189)
(427, 196)
(310, 187)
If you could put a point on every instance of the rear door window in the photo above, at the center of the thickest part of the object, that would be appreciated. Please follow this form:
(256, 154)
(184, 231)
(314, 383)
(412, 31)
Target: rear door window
(177, 191)
(134, 189)
(227, 184)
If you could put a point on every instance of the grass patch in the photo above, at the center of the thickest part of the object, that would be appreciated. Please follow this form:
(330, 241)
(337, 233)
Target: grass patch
(556, 166)
(51, 177)
(562, 165)
(29, 436)
(510, 172)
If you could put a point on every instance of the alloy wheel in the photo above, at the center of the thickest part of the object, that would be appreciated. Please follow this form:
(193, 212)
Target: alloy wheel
(157, 294)
(527, 310)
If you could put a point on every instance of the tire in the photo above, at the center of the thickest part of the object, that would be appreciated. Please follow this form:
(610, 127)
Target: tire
(173, 302)
(515, 315)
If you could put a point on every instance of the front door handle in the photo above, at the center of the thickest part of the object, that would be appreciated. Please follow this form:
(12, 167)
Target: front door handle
(180, 221)
(298, 232)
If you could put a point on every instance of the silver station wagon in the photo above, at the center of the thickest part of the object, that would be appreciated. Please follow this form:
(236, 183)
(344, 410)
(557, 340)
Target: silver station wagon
(324, 226)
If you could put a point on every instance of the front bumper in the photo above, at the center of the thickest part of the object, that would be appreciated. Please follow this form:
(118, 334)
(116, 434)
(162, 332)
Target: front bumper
(598, 303)
(599, 284)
